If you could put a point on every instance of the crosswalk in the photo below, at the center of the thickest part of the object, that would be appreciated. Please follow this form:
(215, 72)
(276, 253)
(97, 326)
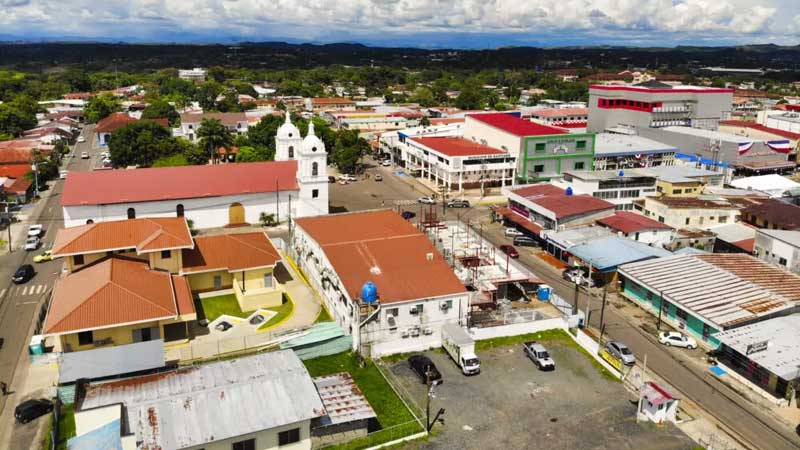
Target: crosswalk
(22, 291)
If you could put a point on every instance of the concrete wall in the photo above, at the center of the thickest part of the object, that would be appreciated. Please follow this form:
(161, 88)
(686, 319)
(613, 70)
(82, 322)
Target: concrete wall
(482, 133)
(689, 217)
(772, 250)
(205, 281)
(172, 264)
(691, 189)
(516, 329)
(265, 440)
(119, 335)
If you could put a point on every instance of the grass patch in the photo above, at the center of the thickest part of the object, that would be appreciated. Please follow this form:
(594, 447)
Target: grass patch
(214, 307)
(323, 315)
(66, 428)
(282, 311)
(387, 405)
(556, 336)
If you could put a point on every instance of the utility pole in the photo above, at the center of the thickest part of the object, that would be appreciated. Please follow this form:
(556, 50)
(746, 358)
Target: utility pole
(641, 388)
(660, 308)
(603, 309)
(277, 203)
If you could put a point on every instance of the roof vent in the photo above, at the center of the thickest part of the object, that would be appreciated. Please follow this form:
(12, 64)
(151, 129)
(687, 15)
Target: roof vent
(429, 256)
(375, 270)
(569, 191)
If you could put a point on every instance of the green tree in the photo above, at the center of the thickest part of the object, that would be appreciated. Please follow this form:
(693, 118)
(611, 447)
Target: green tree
(423, 96)
(141, 144)
(177, 159)
(469, 98)
(160, 109)
(193, 153)
(14, 120)
(263, 133)
(213, 136)
(254, 154)
(425, 121)
(100, 107)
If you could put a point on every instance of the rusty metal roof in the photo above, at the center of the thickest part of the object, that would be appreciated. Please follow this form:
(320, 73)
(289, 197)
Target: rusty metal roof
(722, 289)
(198, 405)
(342, 399)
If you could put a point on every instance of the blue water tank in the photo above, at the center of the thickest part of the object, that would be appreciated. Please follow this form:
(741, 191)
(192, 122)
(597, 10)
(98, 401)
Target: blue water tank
(622, 173)
(369, 292)
(569, 191)
(543, 293)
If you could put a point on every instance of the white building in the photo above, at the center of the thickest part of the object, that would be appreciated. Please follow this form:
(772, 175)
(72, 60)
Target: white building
(638, 228)
(778, 247)
(198, 75)
(620, 187)
(237, 123)
(211, 196)
(395, 143)
(613, 151)
(416, 292)
(773, 184)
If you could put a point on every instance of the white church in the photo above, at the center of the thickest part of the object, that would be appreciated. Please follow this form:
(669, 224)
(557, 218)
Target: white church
(221, 195)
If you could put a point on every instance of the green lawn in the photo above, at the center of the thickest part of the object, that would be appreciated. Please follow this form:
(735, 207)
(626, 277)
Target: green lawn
(323, 315)
(66, 428)
(283, 311)
(214, 307)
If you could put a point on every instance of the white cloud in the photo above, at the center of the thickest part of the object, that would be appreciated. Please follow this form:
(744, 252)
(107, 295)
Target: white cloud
(311, 19)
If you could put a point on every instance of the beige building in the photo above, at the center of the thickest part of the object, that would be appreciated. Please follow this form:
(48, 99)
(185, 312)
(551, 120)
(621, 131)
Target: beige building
(690, 212)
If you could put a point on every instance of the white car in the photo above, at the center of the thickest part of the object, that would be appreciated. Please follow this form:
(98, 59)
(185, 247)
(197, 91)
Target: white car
(386, 163)
(426, 200)
(513, 232)
(347, 177)
(31, 244)
(84, 155)
(62, 174)
(35, 230)
(677, 339)
(81, 139)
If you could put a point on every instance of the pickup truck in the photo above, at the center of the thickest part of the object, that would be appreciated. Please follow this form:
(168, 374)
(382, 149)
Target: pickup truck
(35, 230)
(539, 355)
(461, 348)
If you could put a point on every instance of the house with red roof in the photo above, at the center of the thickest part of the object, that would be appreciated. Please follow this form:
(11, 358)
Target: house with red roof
(541, 151)
(639, 228)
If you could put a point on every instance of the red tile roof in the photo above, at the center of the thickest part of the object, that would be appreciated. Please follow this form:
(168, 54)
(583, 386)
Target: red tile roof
(628, 222)
(14, 170)
(560, 112)
(516, 126)
(146, 235)
(759, 127)
(381, 247)
(231, 252)
(228, 119)
(455, 146)
(183, 295)
(779, 214)
(446, 120)
(110, 293)
(16, 156)
(537, 190)
(113, 122)
(746, 244)
(174, 183)
(331, 101)
(557, 201)
(19, 186)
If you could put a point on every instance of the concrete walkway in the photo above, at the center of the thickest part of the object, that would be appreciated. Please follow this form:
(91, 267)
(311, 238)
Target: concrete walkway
(306, 300)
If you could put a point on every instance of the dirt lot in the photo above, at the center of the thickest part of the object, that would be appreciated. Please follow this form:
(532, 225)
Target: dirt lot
(512, 405)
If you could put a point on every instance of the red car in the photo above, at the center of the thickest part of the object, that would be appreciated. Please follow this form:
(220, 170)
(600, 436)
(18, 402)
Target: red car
(509, 250)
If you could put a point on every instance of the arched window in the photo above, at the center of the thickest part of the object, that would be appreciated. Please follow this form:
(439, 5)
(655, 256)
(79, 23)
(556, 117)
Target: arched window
(291, 151)
(314, 169)
(313, 149)
(131, 213)
(89, 222)
(179, 210)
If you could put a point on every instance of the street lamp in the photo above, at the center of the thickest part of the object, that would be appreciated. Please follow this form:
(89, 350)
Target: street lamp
(35, 169)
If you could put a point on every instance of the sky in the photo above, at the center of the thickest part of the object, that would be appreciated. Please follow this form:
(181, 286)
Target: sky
(414, 23)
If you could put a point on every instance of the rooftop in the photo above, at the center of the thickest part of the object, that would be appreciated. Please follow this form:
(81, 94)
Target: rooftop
(725, 289)
(342, 399)
(628, 222)
(516, 126)
(561, 205)
(609, 174)
(708, 134)
(680, 174)
(382, 247)
(331, 101)
(684, 89)
(226, 118)
(456, 146)
(772, 184)
(110, 292)
(613, 144)
(102, 187)
(201, 404)
(777, 213)
(699, 203)
(578, 236)
(759, 127)
(790, 237)
(782, 355)
(560, 112)
(231, 252)
(113, 122)
(608, 253)
(144, 235)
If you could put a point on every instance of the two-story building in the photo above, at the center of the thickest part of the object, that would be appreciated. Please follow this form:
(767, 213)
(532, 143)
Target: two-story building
(235, 122)
(779, 248)
(694, 212)
(620, 187)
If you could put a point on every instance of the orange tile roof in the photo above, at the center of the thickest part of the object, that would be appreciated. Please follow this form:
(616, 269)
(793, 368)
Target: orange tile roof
(231, 252)
(183, 295)
(113, 122)
(382, 247)
(19, 186)
(146, 235)
(110, 293)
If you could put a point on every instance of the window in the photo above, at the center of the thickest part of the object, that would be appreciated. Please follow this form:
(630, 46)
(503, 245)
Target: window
(540, 147)
(249, 444)
(706, 332)
(166, 254)
(661, 219)
(315, 193)
(146, 334)
(579, 165)
(85, 338)
(539, 168)
(392, 312)
(131, 213)
(723, 219)
(782, 261)
(291, 150)
(288, 437)
(89, 222)
(687, 221)
(217, 281)
(314, 169)
(580, 145)
(77, 259)
(677, 191)
(683, 315)
(268, 280)
(179, 210)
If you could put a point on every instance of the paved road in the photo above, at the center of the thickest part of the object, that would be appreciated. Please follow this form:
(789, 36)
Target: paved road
(728, 407)
(19, 303)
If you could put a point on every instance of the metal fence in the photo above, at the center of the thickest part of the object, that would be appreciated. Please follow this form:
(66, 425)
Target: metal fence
(200, 349)
(489, 318)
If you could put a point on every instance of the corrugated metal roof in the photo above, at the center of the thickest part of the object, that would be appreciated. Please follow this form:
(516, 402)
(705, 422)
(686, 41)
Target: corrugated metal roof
(109, 361)
(207, 403)
(707, 286)
(106, 437)
(782, 356)
(608, 253)
(342, 399)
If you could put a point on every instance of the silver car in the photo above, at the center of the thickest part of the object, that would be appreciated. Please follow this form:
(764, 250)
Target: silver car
(31, 244)
(621, 352)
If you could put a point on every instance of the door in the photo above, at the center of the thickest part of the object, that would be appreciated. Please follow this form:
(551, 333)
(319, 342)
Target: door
(236, 214)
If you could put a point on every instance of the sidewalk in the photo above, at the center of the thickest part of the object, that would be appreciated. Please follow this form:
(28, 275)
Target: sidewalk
(306, 303)
(27, 216)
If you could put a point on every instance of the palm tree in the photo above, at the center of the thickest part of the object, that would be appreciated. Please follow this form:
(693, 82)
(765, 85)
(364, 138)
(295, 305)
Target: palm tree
(213, 136)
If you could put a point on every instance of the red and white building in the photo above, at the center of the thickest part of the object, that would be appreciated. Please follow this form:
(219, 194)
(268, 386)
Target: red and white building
(571, 118)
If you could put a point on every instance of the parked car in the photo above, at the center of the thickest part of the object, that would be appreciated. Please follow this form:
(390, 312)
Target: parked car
(513, 232)
(426, 200)
(539, 355)
(81, 139)
(386, 163)
(422, 365)
(621, 352)
(84, 155)
(24, 273)
(35, 230)
(62, 174)
(32, 244)
(378, 177)
(32, 409)
(408, 215)
(677, 339)
(46, 256)
(458, 203)
(347, 177)
(525, 241)
(509, 250)
(578, 275)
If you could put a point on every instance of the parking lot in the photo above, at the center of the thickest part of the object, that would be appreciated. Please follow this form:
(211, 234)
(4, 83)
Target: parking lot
(512, 405)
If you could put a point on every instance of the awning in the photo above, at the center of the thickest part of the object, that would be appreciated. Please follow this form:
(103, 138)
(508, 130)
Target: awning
(519, 220)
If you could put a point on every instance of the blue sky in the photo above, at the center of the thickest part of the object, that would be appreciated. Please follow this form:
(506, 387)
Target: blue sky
(417, 23)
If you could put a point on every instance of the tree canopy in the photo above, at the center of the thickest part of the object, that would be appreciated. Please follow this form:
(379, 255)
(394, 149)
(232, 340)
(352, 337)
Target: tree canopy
(101, 106)
(160, 109)
(142, 144)
(213, 136)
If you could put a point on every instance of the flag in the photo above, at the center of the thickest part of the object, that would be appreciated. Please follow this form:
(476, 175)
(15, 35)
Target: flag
(744, 147)
(783, 146)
